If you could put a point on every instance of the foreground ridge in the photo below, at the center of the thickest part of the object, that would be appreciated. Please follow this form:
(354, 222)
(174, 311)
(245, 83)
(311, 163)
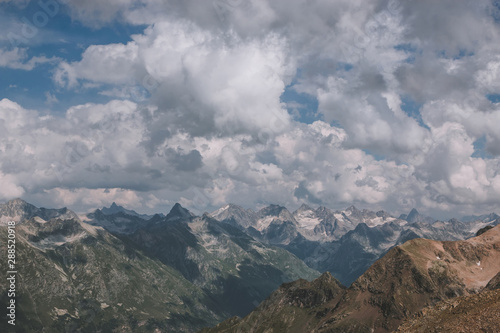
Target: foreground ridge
(411, 277)
(473, 313)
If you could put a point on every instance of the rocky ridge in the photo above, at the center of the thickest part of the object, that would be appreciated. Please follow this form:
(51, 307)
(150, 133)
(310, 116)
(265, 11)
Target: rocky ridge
(409, 278)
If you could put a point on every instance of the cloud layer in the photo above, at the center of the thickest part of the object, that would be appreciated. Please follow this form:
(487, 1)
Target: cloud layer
(406, 117)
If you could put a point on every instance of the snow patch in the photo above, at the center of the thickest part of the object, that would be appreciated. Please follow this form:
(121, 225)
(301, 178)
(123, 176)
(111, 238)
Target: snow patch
(90, 228)
(263, 223)
(57, 240)
(219, 211)
(307, 220)
(339, 217)
(38, 219)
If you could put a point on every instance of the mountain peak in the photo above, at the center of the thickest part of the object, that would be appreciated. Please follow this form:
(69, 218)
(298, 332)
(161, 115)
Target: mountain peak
(20, 210)
(235, 215)
(304, 207)
(17, 209)
(114, 209)
(17, 203)
(178, 212)
(484, 218)
(414, 216)
(278, 211)
(351, 208)
(272, 210)
(414, 211)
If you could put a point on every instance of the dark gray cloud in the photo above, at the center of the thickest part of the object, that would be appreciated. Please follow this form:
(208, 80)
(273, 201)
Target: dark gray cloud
(185, 161)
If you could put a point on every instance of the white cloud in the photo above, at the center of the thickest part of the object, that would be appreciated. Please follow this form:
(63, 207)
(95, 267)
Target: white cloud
(111, 63)
(17, 58)
(228, 84)
(202, 119)
(100, 153)
(9, 189)
(94, 198)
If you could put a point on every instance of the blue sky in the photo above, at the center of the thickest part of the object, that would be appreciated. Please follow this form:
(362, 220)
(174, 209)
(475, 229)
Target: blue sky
(61, 37)
(149, 103)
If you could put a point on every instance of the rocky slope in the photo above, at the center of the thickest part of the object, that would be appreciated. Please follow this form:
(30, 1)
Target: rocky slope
(232, 267)
(73, 277)
(465, 314)
(408, 278)
(174, 273)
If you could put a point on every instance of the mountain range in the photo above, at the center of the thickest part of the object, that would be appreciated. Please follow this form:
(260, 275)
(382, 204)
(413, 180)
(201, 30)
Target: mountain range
(174, 273)
(114, 269)
(420, 286)
(345, 243)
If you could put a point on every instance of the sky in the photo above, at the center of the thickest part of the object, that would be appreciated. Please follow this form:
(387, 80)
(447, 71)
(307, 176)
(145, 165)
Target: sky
(384, 104)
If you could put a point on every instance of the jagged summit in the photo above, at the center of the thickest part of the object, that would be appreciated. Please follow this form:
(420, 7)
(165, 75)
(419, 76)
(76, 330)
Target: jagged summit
(19, 210)
(235, 215)
(178, 213)
(304, 208)
(415, 217)
(351, 208)
(115, 209)
(484, 218)
(273, 210)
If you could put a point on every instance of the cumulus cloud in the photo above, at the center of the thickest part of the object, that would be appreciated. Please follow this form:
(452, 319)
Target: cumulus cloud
(372, 119)
(96, 154)
(202, 83)
(201, 117)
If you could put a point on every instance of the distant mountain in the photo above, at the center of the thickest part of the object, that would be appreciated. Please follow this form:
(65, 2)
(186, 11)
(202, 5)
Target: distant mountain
(321, 224)
(235, 215)
(484, 218)
(179, 213)
(346, 242)
(414, 216)
(19, 210)
(407, 279)
(174, 273)
(117, 219)
(114, 208)
(119, 222)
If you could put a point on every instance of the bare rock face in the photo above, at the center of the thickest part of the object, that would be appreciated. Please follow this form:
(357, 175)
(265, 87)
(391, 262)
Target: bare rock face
(19, 210)
(494, 283)
(451, 277)
(473, 313)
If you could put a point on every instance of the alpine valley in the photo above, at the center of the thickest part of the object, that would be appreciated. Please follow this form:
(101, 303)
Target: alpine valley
(271, 270)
